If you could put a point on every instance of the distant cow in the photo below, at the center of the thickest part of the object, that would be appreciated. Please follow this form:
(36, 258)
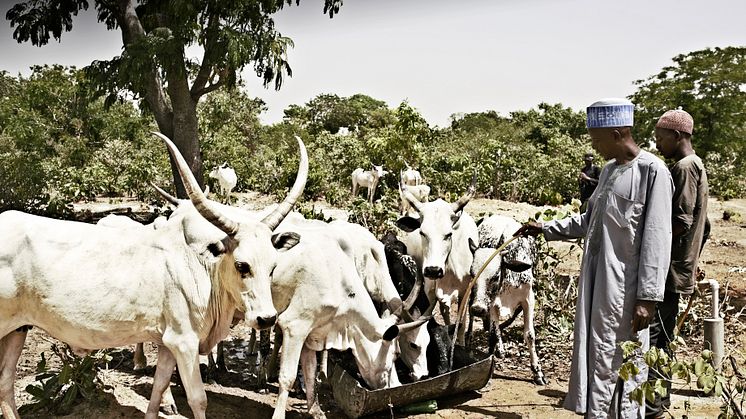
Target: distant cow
(420, 192)
(506, 285)
(367, 179)
(411, 177)
(227, 180)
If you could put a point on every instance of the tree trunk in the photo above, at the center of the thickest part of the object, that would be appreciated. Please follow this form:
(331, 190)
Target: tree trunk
(186, 132)
(177, 118)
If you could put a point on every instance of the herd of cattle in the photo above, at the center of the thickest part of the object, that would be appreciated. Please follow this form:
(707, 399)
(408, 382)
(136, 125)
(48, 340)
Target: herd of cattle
(182, 282)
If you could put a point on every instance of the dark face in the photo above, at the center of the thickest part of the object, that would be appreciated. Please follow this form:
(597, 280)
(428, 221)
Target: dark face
(604, 141)
(666, 141)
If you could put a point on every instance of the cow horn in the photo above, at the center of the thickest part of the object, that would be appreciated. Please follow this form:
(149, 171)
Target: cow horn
(200, 201)
(406, 327)
(412, 297)
(165, 195)
(275, 217)
(461, 203)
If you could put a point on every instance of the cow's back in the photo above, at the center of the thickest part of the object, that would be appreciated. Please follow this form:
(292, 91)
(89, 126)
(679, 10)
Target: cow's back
(69, 277)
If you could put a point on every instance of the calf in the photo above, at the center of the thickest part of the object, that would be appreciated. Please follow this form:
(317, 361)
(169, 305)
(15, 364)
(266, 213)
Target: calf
(367, 179)
(506, 284)
(227, 180)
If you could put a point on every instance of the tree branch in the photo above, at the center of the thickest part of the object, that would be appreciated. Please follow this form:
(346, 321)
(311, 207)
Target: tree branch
(132, 31)
(205, 90)
(205, 68)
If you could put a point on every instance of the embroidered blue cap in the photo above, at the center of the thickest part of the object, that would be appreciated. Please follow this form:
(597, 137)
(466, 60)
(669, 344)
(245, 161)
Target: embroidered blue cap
(608, 113)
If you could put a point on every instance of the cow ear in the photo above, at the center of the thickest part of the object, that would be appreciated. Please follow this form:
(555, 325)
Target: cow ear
(408, 224)
(472, 246)
(285, 241)
(391, 333)
(456, 218)
(216, 248)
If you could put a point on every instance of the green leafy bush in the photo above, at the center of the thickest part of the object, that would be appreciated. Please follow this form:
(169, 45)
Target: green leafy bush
(57, 392)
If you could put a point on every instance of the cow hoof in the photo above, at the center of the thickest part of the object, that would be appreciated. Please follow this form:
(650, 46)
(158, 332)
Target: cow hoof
(540, 380)
(316, 412)
(169, 409)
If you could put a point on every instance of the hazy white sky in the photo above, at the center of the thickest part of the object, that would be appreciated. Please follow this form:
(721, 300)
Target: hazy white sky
(452, 56)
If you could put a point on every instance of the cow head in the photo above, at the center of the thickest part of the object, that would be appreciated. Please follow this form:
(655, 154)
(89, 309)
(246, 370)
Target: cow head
(378, 171)
(516, 258)
(438, 220)
(246, 250)
(375, 358)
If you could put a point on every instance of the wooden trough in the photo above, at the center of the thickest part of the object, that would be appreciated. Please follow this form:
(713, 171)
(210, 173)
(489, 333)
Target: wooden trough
(472, 370)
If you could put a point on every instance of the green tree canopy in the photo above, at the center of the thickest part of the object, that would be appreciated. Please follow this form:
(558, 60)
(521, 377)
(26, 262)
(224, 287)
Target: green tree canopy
(331, 112)
(710, 84)
(154, 65)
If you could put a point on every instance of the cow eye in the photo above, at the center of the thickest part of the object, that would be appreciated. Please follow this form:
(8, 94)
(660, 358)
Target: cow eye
(448, 236)
(243, 268)
(414, 346)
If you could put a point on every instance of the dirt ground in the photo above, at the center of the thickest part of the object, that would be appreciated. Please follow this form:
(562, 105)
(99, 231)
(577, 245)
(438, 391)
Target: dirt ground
(509, 394)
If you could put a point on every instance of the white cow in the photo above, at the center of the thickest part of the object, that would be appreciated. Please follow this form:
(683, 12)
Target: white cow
(420, 192)
(369, 257)
(121, 221)
(367, 179)
(227, 180)
(178, 286)
(411, 177)
(323, 304)
(442, 242)
(506, 284)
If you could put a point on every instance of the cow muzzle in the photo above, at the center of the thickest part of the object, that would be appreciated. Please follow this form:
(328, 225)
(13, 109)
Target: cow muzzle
(266, 322)
(433, 272)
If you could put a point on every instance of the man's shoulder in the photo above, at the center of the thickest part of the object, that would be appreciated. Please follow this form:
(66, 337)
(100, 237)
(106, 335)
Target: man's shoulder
(647, 158)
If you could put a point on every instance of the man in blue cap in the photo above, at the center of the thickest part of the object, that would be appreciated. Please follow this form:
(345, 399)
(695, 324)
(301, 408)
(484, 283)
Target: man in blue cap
(627, 251)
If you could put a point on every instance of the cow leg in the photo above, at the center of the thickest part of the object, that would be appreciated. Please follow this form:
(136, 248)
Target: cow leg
(11, 347)
(496, 338)
(291, 348)
(324, 364)
(308, 366)
(184, 348)
(161, 397)
(139, 358)
(252, 342)
(272, 364)
(354, 188)
(530, 336)
(220, 361)
(261, 362)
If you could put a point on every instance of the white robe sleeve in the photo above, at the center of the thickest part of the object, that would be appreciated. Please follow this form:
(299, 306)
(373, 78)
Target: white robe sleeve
(568, 228)
(655, 246)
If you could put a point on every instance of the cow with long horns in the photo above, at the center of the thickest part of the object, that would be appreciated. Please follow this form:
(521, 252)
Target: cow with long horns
(179, 286)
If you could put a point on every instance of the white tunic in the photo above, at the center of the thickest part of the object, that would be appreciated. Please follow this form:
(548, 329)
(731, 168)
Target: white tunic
(626, 259)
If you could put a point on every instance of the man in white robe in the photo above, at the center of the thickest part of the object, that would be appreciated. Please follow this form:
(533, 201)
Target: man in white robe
(627, 252)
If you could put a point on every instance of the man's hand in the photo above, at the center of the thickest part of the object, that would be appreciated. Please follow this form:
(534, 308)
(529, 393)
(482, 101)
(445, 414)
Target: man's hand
(644, 311)
(529, 229)
(583, 176)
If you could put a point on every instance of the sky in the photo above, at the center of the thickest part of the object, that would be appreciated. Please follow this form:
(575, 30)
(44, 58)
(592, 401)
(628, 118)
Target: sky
(449, 57)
